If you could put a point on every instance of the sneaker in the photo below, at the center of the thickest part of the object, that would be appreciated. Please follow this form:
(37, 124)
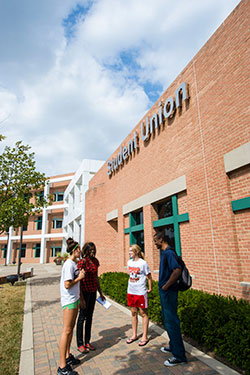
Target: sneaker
(67, 370)
(71, 360)
(172, 361)
(165, 349)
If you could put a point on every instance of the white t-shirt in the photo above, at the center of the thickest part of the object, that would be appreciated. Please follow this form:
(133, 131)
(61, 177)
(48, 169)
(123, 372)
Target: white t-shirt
(69, 272)
(138, 271)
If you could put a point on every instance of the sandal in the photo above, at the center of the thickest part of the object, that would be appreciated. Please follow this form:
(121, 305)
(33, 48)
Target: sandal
(82, 349)
(129, 341)
(143, 342)
(90, 347)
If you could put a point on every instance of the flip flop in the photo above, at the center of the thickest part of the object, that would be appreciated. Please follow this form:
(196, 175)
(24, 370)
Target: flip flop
(82, 349)
(143, 342)
(129, 341)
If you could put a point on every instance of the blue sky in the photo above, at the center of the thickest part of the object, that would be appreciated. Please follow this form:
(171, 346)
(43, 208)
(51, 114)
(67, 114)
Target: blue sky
(75, 16)
(77, 76)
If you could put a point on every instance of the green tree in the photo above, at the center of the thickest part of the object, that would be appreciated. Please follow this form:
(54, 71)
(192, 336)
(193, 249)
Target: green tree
(20, 184)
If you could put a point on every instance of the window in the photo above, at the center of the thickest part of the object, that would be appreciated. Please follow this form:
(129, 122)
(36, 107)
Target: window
(139, 239)
(4, 250)
(138, 217)
(58, 196)
(25, 227)
(40, 195)
(135, 230)
(23, 251)
(37, 250)
(55, 250)
(27, 197)
(169, 220)
(164, 209)
(57, 223)
(39, 222)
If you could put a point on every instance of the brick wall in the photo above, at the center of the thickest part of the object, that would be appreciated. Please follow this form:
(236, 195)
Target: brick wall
(215, 241)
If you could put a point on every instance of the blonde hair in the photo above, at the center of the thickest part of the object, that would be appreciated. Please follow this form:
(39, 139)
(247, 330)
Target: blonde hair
(137, 251)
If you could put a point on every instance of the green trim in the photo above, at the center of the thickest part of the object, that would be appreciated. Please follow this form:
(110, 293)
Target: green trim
(4, 249)
(53, 248)
(241, 204)
(38, 221)
(56, 221)
(175, 220)
(133, 228)
(40, 195)
(169, 220)
(37, 248)
(57, 194)
(23, 250)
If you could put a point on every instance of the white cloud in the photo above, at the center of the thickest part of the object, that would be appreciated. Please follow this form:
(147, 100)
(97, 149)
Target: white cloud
(64, 97)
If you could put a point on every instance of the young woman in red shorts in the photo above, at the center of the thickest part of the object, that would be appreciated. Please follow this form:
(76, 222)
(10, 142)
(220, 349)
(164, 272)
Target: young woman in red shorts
(137, 296)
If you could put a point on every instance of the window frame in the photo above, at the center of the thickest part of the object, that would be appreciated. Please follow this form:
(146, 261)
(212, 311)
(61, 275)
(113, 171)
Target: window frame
(135, 228)
(176, 219)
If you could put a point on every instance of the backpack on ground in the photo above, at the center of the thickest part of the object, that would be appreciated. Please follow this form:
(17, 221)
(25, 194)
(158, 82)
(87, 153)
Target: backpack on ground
(185, 280)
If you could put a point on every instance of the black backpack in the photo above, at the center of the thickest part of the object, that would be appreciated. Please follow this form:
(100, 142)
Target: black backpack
(185, 280)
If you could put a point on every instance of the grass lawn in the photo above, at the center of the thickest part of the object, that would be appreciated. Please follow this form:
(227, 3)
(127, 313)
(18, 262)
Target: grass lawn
(11, 324)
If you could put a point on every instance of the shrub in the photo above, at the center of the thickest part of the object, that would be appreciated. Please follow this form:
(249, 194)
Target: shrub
(220, 324)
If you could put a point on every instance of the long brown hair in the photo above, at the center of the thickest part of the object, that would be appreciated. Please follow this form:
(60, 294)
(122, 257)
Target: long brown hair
(137, 251)
(87, 247)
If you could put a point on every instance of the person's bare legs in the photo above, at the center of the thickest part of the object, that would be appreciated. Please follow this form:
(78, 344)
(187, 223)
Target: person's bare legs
(134, 316)
(69, 318)
(145, 320)
(68, 344)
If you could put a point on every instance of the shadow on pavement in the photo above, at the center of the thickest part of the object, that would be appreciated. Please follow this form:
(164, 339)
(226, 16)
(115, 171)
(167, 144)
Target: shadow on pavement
(144, 361)
(109, 338)
(44, 281)
(150, 361)
(51, 280)
(38, 305)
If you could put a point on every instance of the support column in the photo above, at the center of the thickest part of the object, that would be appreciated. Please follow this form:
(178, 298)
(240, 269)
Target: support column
(64, 246)
(76, 231)
(9, 248)
(44, 227)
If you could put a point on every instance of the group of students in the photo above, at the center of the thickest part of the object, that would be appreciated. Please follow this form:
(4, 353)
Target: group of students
(79, 284)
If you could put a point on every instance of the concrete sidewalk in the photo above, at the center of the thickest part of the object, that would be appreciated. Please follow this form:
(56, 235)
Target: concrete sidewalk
(110, 330)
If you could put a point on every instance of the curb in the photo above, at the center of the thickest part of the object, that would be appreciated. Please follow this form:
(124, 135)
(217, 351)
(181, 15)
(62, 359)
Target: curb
(26, 365)
(209, 361)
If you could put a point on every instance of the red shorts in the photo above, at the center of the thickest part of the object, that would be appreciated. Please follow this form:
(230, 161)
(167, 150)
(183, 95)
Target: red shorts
(138, 301)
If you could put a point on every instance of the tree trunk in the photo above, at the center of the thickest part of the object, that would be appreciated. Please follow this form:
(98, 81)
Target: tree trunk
(20, 251)
(5, 263)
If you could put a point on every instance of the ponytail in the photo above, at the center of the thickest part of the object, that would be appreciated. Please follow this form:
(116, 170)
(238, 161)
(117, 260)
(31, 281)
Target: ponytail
(71, 245)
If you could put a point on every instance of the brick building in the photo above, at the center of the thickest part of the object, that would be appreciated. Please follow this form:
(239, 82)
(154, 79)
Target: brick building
(46, 233)
(42, 238)
(185, 167)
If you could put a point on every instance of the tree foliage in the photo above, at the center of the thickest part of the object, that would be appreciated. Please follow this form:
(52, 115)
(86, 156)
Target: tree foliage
(20, 184)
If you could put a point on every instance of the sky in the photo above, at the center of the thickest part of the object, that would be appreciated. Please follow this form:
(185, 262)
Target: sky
(76, 76)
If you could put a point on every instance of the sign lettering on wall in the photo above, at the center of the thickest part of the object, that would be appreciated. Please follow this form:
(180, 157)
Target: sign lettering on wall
(166, 110)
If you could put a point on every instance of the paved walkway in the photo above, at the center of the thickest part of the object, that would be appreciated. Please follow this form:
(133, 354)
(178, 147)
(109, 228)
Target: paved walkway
(110, 330)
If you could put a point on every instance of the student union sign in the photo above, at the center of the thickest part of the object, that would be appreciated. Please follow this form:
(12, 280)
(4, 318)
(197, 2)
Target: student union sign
(166, 111)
